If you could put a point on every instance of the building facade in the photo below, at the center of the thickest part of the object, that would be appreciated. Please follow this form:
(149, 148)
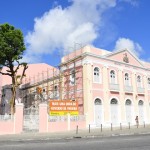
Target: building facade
(115, 86)
(110, 87)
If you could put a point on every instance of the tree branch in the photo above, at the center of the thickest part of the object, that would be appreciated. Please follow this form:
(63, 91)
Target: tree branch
(23, 72)
(17, 66)
(5, 73)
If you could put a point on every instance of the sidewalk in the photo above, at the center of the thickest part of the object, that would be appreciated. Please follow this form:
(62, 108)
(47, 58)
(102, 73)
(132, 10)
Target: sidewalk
(96, 132)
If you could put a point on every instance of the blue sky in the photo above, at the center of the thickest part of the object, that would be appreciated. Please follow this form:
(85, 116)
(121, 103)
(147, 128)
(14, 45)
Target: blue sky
(54, 27)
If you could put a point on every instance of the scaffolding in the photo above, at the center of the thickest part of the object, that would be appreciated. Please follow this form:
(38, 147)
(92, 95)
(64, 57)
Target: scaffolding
(63, 82)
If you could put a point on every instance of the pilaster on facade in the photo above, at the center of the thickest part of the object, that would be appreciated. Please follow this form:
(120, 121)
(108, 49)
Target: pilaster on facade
(87, 86)
(106, 94)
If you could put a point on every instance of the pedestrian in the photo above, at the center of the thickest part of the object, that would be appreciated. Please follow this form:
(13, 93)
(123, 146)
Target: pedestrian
(137, 120)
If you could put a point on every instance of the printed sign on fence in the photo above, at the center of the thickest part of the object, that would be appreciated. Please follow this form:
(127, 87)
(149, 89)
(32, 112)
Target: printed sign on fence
(63, 108)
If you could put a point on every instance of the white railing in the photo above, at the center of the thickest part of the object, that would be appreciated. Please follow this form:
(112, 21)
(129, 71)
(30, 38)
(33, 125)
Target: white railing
(77, 118)
(128, 88)
(140, 90)
(57, 118)
(66, 118)
(6, 117)
(114, 87)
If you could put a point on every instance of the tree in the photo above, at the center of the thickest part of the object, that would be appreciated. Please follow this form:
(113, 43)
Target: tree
(11, 51)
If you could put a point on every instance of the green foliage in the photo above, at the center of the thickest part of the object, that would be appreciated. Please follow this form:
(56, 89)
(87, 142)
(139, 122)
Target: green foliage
(11, 50)
(11, 44)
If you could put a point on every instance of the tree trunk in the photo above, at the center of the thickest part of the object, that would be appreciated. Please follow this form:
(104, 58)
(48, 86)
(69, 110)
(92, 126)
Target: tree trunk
(13, 99)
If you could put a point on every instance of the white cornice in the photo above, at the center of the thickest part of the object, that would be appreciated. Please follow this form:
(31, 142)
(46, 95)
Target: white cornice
(90, 61)
(87, 62)
(121, 63)
(120, 51)
(109, 64)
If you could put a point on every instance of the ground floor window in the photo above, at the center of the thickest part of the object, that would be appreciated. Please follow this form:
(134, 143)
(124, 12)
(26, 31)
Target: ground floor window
(141, 112)
(114, 111)
(129, 114)
(98, 111)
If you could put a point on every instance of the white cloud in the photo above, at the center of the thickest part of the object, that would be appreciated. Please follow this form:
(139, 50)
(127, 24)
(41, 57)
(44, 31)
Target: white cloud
(125, 43)
(60, 28)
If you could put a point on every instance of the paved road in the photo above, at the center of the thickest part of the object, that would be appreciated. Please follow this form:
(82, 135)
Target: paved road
(132, 142)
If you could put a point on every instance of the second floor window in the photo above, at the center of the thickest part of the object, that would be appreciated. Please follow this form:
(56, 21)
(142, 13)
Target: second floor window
(112, 77)
(55, 91)
(72, 77)
(96, 74)
(126, 78)
(148, 80)
(139, 81)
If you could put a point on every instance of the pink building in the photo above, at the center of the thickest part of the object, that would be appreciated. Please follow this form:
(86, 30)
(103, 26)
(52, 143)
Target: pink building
(34, 75)
(110, 87)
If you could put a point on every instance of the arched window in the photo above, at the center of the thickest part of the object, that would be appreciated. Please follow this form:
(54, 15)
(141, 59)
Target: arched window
(140, 102)
(55, 91)
(126, 78)
(114, 101)
(128, 102)
(55, 88)
(112, 77)
(72, 77)
(148, 80)
(96, 74)
(98, 101)
(139, 81)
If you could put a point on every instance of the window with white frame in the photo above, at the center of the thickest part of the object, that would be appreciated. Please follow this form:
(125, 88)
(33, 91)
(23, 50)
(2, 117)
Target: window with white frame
(139, 81)
(98, 101)
(148, 81)
(113, 101)
(126, 79)
(55, 91)
(96, 74)
(55, 88)
(72, 77)
(112, 77)
(140, 102)
(128, 102)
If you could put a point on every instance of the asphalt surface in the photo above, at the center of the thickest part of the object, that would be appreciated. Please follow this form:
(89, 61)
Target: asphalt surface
(128, 142)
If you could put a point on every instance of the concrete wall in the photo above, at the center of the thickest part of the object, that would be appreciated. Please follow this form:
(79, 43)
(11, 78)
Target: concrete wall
(14, 125)
(57, 126)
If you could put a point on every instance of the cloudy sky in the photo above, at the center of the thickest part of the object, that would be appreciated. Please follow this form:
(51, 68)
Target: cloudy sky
(53, 28)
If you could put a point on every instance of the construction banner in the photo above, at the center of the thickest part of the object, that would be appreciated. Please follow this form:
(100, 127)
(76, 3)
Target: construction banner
(61, 113)
(61, 108)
